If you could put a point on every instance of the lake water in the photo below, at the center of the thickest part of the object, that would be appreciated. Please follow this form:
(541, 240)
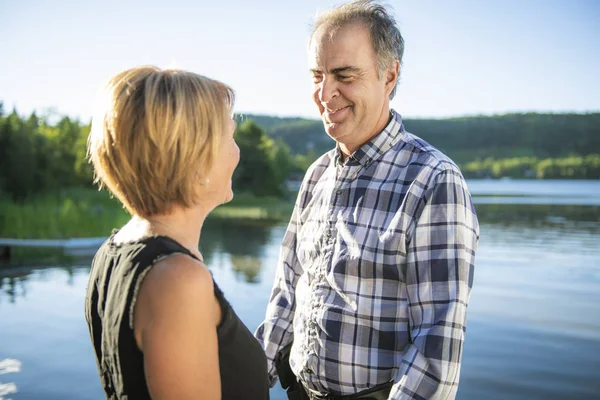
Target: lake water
(534, 317)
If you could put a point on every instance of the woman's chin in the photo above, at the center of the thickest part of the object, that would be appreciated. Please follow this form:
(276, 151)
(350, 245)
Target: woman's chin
(228, 197)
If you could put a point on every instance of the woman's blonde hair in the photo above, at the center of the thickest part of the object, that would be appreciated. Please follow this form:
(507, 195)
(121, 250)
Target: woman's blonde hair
(156, 134)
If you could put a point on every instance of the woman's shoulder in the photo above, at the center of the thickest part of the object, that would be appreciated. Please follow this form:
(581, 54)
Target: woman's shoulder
(180, 275)
(176, 291)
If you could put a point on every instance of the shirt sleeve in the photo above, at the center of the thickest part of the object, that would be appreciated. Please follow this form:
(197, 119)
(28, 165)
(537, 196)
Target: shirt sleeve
(276, 331)
(439, 277)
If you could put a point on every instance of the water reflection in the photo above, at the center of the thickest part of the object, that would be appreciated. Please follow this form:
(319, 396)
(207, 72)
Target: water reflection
(540, 215)
(242, 246)
(13, 286)
(7, 366)
(222, 244)
(544, 190)
(534, 302)
(244, 243)
(7, 388)
(238, 238)
(14, 281)
(247, 266)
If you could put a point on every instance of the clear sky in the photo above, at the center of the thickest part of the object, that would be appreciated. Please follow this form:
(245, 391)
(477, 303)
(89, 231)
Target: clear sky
(462, 57)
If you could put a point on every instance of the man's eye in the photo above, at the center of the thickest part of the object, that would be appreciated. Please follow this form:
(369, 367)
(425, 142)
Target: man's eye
(317, 78)
(344, 77)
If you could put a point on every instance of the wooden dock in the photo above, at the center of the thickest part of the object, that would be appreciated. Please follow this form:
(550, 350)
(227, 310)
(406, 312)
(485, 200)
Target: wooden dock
(79, 247)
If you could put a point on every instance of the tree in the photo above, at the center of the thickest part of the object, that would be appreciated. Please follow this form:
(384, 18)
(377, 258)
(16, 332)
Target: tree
(83, 169)
(283, 162)
(256, 171)
(18, 164)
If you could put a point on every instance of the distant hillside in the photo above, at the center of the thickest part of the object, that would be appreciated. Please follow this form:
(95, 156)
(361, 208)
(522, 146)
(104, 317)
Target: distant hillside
(300, 134)
(270, 123)
(467, 138)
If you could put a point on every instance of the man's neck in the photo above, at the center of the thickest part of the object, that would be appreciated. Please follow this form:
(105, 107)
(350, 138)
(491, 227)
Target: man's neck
(346, 150)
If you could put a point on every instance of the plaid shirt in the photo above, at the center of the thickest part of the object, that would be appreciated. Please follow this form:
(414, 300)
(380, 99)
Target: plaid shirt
(375, 271)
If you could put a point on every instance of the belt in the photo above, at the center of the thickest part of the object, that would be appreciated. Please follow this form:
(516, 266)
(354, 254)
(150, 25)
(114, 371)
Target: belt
(379, 392)
(295, 389)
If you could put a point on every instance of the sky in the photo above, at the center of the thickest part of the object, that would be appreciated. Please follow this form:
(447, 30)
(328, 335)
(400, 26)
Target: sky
(462, 57)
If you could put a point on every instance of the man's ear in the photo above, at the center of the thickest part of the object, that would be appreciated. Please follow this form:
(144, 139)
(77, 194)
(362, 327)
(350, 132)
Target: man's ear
(391, 76)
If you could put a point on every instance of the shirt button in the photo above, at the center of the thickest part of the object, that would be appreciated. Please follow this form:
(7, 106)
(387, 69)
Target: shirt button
(309, 371)
(338, 192)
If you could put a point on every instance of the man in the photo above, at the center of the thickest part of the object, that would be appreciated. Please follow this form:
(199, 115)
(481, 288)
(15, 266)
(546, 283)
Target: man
(376, 266)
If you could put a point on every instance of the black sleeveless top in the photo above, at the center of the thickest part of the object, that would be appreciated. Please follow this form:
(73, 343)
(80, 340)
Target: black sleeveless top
(116, 272)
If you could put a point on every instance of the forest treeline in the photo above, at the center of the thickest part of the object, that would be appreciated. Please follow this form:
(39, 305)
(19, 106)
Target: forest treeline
(529, 145)
(467, 139)
(39, 156)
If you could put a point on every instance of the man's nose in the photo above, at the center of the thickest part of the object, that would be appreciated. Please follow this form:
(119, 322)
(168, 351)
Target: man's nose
(327, 90)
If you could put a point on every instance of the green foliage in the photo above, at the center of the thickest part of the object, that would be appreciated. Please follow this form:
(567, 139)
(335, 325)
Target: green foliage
(46, 181)
(572, 167)
(473, 138)
(514, 145)
(304, 136)
(303, 161)
(512, 135)
(36, 157)
(257, 171)
(92, 213)
(62, 214)
(270, 123)
(246, 206)
(282, 161)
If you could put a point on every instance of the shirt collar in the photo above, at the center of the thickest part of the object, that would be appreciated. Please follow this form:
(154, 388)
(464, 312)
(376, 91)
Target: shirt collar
(377, 146)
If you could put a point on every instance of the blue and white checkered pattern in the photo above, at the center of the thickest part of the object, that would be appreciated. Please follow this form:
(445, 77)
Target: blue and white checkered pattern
(375, 271)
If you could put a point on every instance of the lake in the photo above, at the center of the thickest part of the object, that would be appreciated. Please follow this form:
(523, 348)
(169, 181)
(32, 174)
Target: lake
(533, 324)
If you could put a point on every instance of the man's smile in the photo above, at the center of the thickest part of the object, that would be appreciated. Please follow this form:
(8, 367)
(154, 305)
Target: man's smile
(336, 115)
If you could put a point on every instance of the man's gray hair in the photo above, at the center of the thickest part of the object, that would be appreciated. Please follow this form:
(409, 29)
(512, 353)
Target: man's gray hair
(386, 39)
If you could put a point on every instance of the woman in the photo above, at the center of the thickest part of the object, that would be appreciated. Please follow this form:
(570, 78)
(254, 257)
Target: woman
(163, 144)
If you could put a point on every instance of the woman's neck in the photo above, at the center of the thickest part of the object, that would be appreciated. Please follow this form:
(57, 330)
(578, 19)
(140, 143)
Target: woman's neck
(182, 224)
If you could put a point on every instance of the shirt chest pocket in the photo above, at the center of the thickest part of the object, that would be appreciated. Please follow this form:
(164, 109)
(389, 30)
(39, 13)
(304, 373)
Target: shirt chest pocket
(308, 250)
(368, 252)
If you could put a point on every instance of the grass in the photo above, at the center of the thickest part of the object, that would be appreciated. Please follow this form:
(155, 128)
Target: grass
(63, 214)
(251, 208)
(90, 213)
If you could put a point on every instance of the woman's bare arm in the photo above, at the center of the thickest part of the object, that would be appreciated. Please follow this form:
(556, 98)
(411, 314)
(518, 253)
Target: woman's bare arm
(175, 320)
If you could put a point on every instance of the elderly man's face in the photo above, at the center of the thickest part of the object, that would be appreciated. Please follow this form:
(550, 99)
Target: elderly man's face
(352, 99)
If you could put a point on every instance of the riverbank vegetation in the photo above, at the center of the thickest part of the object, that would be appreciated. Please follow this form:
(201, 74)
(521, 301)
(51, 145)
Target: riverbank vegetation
(572, 167)
(46, 188)
(81, 212)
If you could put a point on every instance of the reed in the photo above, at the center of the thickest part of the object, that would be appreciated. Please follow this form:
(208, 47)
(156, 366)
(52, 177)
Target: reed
(90, 213)
(63, 214)
(245, 206)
